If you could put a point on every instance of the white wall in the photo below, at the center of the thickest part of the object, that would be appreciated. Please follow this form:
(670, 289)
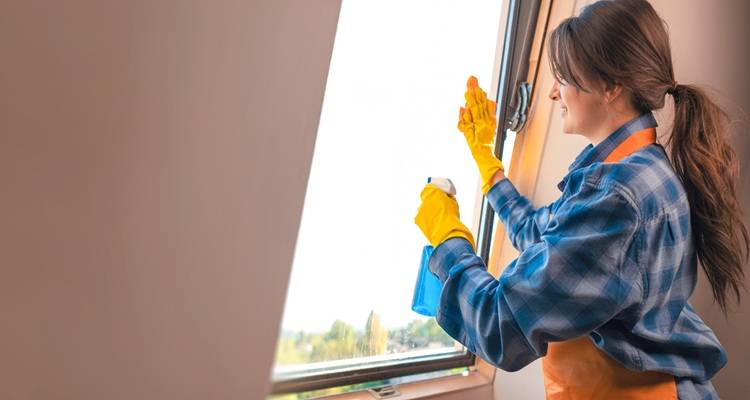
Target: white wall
(153, 162)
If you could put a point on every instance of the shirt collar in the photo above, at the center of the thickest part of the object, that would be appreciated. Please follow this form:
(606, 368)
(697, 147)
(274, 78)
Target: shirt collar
(591, 154)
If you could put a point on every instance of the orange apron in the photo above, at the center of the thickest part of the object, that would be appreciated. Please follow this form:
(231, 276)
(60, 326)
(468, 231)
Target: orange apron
(578, 370)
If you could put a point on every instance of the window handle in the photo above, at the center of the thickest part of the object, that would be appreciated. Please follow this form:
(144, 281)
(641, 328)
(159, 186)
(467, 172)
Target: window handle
(518, 119)
(384, 392)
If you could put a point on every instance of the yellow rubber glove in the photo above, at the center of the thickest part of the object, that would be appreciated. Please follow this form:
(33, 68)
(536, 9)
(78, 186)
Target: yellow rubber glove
(438, 217)
(477, 122)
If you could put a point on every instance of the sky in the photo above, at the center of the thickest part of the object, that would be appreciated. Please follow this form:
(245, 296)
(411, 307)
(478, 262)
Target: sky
(396, 81)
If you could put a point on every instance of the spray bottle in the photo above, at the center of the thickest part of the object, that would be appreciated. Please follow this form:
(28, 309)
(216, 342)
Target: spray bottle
(428, 287)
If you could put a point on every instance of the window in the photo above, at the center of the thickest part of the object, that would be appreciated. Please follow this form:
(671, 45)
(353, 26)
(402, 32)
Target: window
(388, 121)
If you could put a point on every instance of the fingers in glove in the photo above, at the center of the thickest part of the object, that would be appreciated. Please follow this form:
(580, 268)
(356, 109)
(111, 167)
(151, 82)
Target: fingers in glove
(432, 192)
(471, 100)
(482, 103)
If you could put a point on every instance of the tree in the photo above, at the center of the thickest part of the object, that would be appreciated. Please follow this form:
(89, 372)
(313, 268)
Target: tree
(341, 341)
(376, 336)
(338, 343)
(420, 333)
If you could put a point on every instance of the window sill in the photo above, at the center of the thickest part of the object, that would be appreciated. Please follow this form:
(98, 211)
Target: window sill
(426, 388)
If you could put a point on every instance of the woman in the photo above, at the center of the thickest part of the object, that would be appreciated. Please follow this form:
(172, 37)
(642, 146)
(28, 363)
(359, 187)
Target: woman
(601, 286)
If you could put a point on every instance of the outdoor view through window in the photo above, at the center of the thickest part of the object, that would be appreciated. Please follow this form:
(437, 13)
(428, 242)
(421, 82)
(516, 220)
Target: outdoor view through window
(396, 82)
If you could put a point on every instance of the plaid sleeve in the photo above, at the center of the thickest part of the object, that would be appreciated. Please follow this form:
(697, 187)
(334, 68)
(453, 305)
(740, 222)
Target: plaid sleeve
(564, 286)
(523, 223)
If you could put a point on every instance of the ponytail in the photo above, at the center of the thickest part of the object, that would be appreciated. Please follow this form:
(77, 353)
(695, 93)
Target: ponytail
(708, 169)
(637, 56)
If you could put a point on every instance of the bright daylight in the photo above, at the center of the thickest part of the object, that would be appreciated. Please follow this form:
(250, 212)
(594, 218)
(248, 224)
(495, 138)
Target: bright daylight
(386, 125)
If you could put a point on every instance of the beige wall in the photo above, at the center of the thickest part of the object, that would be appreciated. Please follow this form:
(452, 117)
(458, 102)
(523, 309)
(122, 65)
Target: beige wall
(153, 161)
(709, 45)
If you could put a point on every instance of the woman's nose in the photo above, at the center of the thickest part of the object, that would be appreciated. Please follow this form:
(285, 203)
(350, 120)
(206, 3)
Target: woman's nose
(554, 94)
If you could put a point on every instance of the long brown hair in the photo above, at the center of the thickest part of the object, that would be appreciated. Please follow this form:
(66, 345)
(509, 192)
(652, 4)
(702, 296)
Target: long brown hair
(625, 42)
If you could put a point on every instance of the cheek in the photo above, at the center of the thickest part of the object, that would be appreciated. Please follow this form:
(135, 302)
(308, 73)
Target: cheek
(567, 97)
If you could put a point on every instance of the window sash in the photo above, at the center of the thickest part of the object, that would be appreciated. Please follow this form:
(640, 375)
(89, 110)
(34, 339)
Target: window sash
(519, 34)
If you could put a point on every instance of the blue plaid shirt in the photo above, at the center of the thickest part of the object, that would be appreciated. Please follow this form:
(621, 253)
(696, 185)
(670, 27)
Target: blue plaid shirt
(613, 258)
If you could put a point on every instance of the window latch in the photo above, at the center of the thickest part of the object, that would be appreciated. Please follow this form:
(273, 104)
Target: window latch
(518, 119)
(384, 392)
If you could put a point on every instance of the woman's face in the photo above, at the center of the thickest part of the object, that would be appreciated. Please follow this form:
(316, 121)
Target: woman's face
(595, 114)
(580, 110)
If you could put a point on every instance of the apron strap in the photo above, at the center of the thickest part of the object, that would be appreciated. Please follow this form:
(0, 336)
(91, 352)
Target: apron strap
(633, 143)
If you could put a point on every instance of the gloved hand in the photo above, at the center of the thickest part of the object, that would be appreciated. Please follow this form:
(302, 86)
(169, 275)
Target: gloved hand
(438, 217)
(477, 122)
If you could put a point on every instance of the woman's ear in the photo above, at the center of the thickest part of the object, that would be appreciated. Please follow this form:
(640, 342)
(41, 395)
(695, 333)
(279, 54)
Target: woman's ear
(612, 91)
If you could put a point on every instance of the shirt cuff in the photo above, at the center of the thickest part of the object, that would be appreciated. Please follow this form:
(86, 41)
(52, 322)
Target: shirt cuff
(502, 192)
(448, 254)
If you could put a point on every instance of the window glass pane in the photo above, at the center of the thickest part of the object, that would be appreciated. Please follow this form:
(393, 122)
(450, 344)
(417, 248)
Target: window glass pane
(395, 85)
